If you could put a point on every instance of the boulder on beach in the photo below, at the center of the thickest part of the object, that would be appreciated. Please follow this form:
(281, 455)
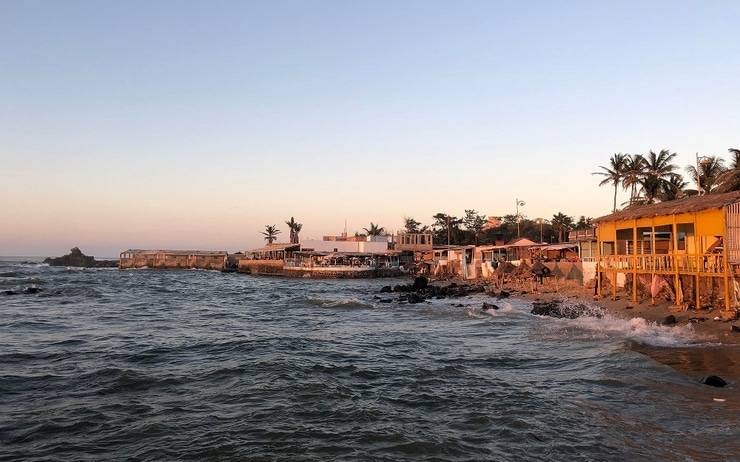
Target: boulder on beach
(420, 283)
(76, 258)
(489, 306)
(669, 320)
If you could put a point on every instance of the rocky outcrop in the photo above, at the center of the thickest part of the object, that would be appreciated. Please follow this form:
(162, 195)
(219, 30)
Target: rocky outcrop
(421, 290)
(76, 258)
(556, 309)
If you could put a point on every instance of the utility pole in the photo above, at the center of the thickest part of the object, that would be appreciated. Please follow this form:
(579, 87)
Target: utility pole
(541, 221)
(518, 203)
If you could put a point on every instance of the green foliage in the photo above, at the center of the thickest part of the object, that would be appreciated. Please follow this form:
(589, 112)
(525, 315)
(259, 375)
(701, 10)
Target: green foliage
(374, 230)
(270, 233)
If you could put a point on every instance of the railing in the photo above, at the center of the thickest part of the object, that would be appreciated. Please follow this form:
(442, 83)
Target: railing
(297, 263)
(683, 263)
(581, 234)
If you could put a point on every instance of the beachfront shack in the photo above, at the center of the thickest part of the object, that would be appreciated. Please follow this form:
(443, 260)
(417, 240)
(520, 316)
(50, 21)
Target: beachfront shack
(521, 249)
(689, 247)
(454, 260)
(173, 259)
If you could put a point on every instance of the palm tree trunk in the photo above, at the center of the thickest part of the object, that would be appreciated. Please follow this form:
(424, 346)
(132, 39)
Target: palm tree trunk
(614, 209)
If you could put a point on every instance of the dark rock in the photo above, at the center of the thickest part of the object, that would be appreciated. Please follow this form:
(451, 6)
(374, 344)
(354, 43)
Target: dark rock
(386, 300)
(669, 320)
(503, 294)
(556, 309)
(10, 292)
(420, 283)
(32, 290)
(76, 258)
(714, 381)
(489, 306)
(697, 319)
(386, 289)
(414, 298)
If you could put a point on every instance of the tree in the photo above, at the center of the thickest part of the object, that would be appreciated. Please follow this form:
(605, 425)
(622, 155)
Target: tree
(673, 188)
(584, 223)
(270, 233)
(474, 223)
(658, 172)
(295, 229)
(613, 174)
(633, 170)
(413, 227)
(708, 174)
(561, 223)
(730, 179)
(374, 230)
(446, 228)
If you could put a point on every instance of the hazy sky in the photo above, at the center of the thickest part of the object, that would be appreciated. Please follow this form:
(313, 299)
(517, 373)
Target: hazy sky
(194, 124)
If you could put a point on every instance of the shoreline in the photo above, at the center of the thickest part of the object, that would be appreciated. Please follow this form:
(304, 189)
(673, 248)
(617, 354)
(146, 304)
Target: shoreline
(703, 322)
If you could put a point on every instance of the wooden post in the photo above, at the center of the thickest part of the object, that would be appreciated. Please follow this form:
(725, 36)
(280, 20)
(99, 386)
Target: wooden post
(726, 265)
(674, 262)
(634, 261)
(652, 258)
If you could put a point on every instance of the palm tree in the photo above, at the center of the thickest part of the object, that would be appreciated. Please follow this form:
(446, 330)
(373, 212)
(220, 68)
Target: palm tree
(707, 176)
(634, 168)
(660, 164)
(730, 179)
(672, 189)
(561, 223)
(270, 233)
(658, 172)
(650, 187)
(613, 174)
(374, 230)
(295, 229)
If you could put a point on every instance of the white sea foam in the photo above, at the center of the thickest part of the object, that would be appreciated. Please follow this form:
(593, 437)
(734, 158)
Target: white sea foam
(605, 325)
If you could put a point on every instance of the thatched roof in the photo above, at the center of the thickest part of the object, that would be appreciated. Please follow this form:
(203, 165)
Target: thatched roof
(685, 205)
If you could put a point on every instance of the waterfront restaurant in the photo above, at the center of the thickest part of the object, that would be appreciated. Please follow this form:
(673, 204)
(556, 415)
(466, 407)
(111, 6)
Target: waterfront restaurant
(690, 246)
(342, 264)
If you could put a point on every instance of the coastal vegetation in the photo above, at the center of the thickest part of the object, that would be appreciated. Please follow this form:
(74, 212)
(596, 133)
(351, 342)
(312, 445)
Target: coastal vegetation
(374, 230)
(654, 177)
(295, 229)
(270, 233)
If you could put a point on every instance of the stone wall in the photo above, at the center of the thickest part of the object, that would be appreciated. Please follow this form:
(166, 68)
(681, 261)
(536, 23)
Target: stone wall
(261, 266)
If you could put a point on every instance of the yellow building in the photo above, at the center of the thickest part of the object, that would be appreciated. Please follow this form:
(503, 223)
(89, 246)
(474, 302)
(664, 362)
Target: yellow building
(690, 246)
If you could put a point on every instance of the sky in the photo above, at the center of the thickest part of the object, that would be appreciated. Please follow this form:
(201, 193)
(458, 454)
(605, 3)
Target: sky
(191, 125)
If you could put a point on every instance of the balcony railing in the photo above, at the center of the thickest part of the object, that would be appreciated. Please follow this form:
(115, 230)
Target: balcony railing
(581, 234)
(668, 263)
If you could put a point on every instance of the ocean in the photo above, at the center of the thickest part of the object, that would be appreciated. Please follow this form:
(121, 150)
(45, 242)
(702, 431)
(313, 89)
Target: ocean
(105, 364)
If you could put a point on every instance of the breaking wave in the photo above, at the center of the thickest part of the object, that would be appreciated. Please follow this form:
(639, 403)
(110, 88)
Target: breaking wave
(594, 322)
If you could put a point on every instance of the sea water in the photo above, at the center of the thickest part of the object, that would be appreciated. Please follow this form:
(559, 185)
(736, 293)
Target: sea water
(157, 365)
